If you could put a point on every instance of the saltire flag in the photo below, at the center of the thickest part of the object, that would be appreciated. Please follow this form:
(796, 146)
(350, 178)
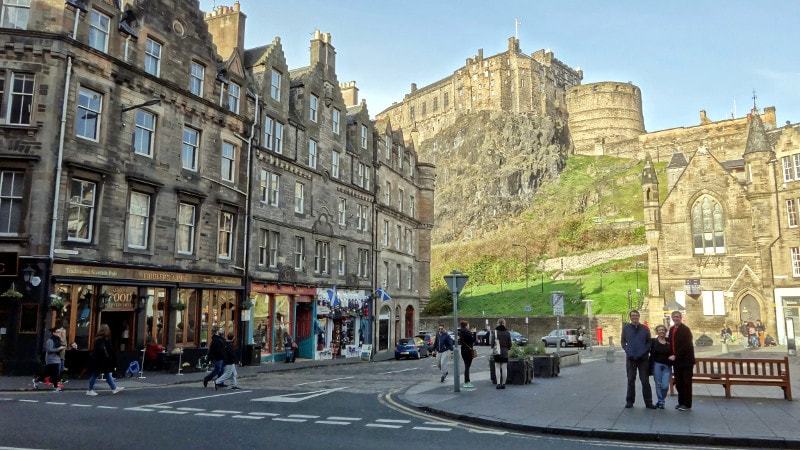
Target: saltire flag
(383, 295)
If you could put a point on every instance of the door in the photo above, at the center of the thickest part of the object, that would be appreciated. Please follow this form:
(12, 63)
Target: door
(749, 310)
(793, 313)
(304, 339)
(122, 326)
(409, 321)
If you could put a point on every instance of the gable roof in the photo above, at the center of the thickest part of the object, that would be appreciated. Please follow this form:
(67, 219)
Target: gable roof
(756, 136)
(678, 160)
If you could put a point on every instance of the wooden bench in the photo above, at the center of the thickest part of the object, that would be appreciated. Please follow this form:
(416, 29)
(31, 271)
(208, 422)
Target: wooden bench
(742, 371)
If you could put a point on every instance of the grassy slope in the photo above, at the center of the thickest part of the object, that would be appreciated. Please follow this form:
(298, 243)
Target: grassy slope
(562, 220)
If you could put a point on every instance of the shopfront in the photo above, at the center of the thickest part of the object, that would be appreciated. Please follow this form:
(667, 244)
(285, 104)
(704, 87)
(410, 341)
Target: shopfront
(343, 323)
(142, 306)
(280, 311)
(787, 311)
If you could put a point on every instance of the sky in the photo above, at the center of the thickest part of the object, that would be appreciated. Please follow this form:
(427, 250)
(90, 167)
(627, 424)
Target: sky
(684, 55)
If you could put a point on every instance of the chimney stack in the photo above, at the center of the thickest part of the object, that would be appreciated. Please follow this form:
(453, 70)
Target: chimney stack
(226, 25)
(349, 93)
(323, 52)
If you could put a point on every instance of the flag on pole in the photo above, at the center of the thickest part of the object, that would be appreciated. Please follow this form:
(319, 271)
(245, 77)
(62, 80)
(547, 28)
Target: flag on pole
(383, 295)
(332, 297)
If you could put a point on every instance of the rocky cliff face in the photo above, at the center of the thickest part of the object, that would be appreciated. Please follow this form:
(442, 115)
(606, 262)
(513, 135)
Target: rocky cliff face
(489, 166)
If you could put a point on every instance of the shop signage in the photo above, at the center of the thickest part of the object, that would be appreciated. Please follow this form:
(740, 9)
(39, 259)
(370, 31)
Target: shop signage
(120, 298)
(281, 289)
(693, 286)
(352, 351)
(323, 310)
(66, 270)
(8, 264)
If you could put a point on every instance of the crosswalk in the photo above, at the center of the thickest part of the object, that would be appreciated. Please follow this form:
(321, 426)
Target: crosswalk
(339, 421)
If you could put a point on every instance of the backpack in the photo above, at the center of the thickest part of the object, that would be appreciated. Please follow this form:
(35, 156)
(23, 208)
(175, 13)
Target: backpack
(496, 345)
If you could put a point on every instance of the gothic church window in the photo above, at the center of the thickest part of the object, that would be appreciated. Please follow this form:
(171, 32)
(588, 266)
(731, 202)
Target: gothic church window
(708, 227)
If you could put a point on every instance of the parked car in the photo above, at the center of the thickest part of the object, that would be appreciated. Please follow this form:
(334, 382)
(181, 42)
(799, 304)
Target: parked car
(482, 337)
(410, 348)
(518, 338)
(422, 347)
(427, 337)
(567, 337)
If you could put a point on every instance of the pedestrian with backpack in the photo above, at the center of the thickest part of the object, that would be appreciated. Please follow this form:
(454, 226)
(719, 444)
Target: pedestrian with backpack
(230, 366)
(103, 361)
(216, 355)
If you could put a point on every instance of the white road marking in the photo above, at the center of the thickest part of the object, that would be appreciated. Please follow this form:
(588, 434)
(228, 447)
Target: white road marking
(433, 429)
(264, 414)
(225, 411)
(297, 396)
(331, 422)
(446, 424)
(6, 399)
(209, 415)
(191, 409)
(238, 416)
(398, 371)
(392, 421)
(303, 416)
(196, 398)
(29, 401)
(382, 425)
(323, 381)
(344, 418)
(283, 419)
(499, 433)
(107, 407)
(81, 405)
(136, 408)
(56, 403)
(16, 448)
(169, 411)
(160, 406)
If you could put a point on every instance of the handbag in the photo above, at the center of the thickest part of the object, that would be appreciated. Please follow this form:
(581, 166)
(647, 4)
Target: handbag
(496, 345)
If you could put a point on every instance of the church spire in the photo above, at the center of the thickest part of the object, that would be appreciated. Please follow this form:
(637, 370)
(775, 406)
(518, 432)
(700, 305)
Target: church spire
(756, 135)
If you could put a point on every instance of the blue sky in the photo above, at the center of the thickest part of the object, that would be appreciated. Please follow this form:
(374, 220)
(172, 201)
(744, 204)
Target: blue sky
(684, 55)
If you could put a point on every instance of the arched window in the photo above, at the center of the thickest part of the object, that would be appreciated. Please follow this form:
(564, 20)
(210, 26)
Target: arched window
(708, 227)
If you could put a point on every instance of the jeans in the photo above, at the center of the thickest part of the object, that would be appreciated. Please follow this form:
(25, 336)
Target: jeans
(230, 373)
(109, 380)
(642, 366)
(219, 368)
(661, 375)
(467, 357)
(443, 360)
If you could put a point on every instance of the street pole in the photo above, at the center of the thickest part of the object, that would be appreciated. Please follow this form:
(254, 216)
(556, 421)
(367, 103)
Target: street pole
(456, 353)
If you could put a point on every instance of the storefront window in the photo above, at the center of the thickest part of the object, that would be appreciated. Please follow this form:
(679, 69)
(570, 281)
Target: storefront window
(156, 310)
(282, 321)
(77, 318)
(217, 309)
(261, 326)
(186, 320)
(28, 318)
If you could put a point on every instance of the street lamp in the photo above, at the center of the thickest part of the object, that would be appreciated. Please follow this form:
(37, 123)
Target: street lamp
(456, 282)
(526, 261)
(589, 315)
(151, 102)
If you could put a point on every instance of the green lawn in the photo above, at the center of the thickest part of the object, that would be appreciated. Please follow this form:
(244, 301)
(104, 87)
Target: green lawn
(611, 299)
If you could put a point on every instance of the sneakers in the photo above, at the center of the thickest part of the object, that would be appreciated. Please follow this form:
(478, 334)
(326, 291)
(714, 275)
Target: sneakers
(91, 393)
(682, 408)
(469, 386)
(35, 384)
(118, 390)
(650, 406)
(205, 383)
(235, 387)
(659, 405)
(441, 380)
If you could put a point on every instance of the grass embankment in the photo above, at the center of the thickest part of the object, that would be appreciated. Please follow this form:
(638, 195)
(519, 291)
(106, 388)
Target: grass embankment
(596, 203)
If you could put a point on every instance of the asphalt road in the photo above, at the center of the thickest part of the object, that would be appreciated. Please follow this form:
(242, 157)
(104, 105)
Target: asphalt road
(337, 407)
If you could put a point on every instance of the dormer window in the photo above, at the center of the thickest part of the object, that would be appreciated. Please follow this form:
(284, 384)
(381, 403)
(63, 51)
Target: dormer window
(234, 92)
(275, 85)
(363, 136)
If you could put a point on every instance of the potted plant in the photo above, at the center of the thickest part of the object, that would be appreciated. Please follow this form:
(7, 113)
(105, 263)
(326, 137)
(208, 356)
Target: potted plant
(546, 365)
(11, 293)
(520, 364)
(57, 303)
(247, 304)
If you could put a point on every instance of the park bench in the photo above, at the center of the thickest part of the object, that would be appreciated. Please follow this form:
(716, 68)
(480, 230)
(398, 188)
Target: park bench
(742, 371)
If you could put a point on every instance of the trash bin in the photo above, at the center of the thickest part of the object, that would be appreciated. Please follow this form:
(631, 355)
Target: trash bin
(251, 355)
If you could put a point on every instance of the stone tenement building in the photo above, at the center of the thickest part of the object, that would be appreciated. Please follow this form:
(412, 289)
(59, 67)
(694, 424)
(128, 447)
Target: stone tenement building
(606, 118)
(509, 81)
(724, 243)
(159, 177)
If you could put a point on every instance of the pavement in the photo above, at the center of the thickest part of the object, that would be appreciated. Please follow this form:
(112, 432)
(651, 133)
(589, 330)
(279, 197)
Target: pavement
(588, 401)
(161, 378)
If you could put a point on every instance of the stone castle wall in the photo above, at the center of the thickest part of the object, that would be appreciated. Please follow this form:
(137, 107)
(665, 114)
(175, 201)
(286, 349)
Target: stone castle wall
(603, 114)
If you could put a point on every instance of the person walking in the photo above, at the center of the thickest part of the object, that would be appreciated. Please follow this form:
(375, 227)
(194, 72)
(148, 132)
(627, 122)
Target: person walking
(682, 358)
(291, 348)
(53, 348)
(467, 340)
(636, 343)
(660, 363)
(760, 332)
(230, 366)
(443, 346)
(103, 361)
(500, 341)
(216, 354)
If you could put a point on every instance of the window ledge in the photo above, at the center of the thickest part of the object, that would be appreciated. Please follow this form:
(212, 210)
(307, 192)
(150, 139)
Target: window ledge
(70, 243)
(19, 239)
(185, 256)
(138, 251)
(30, 128)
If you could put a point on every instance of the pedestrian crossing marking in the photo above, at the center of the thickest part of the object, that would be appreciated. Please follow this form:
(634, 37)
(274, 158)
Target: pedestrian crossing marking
(296, 396)
(331, 422)
(239, 416)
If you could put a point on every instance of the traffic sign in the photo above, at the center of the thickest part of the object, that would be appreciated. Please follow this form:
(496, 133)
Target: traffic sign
(527, 308)
(557, 301)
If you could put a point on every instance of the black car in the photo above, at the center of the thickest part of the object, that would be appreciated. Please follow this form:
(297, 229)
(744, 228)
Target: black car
(518, 338)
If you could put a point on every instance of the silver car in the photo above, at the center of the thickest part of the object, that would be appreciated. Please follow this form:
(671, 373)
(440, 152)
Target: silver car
(567, 337)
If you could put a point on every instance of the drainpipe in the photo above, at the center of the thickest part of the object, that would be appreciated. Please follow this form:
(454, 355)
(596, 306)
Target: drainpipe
(248, 219)
(60, 160)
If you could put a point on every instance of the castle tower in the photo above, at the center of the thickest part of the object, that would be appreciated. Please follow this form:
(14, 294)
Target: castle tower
(652, 226)
(675, 169)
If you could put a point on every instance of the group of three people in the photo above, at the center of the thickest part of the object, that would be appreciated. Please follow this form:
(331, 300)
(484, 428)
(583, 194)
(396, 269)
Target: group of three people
(669, 353)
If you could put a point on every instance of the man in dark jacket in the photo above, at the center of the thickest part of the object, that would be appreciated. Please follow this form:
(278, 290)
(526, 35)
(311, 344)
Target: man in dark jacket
(467, 340)
(680, 337)
(216, 354)
(443, 346)
(636, 343)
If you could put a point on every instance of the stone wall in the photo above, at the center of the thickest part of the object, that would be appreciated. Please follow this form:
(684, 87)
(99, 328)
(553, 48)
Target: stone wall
(537, 326)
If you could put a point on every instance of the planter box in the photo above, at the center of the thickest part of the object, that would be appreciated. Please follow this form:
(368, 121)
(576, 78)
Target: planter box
(546, 366)
(520, 371)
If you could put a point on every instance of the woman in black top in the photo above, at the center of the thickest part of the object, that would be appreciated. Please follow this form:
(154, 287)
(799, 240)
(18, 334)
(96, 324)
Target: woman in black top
(501, 344)
(662, 370)
(467, 341)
